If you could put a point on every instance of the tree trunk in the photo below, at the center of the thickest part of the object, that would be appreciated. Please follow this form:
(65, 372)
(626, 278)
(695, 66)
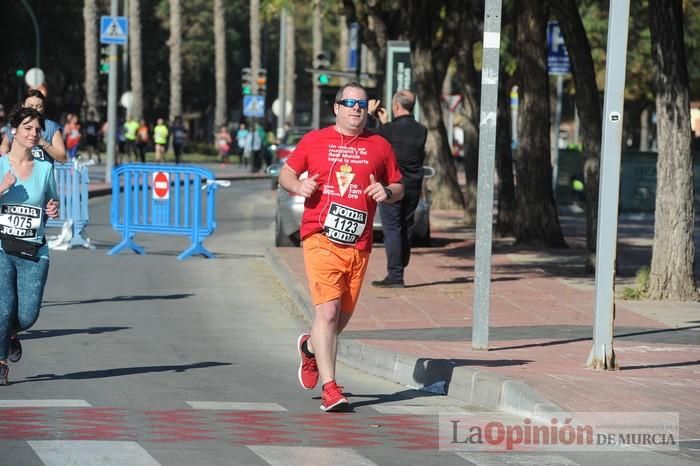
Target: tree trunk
(135, 63)
(220, 109)
(644, 129)
(290, 67)
(254, 26)
(175, 59)
(470, 81)
(428, 74)
(538, 222)
(507, 205)
(91, 77)
(588, 104)
(672, 273)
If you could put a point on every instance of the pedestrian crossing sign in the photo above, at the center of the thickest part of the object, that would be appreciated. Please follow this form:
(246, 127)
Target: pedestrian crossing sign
(254, 106)
(114, 30)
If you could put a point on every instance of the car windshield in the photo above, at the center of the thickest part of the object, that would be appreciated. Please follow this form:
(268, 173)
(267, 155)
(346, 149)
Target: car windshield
(294, 137)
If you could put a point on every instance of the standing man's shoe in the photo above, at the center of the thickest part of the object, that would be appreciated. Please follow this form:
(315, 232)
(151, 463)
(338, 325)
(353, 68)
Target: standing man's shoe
(308, 370)
(386, 283)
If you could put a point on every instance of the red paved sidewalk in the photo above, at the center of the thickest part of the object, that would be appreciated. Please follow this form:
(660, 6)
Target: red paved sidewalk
(541, 325)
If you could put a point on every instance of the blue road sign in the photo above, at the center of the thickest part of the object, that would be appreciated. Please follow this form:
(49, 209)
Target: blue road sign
(254, 106)
(114, 30)
(557, 56)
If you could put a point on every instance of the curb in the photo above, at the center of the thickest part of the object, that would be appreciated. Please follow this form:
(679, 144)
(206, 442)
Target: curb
(476, 387)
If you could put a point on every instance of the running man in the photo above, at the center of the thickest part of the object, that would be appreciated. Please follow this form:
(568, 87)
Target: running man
(350, 171)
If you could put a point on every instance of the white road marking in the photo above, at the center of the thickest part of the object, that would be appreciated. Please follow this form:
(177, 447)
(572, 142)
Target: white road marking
(303, 456)
(238, 406)
(44, 404)
(516, 458)
(90, 453)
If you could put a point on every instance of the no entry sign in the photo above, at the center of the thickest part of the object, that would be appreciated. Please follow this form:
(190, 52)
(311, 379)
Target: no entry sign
(161, 185)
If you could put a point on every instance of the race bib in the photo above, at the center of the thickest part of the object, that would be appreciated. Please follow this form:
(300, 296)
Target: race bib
(344, 225)
(38, 153)
(20, 220)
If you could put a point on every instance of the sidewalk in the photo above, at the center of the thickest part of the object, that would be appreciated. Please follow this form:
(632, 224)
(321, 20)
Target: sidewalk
(541, 319)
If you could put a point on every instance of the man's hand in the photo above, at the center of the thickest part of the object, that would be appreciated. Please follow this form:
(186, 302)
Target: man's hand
(374, 108)
(308, 186)
(375, 190)
(52, 208)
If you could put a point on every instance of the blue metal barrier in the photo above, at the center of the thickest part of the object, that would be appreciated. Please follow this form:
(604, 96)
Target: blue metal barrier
(163, 199)
(72, 186)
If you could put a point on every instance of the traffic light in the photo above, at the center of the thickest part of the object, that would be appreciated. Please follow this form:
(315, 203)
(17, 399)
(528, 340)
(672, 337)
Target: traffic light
(104, 60)
(246, 81)
(262, 81)
(322, 63)
(19, 73)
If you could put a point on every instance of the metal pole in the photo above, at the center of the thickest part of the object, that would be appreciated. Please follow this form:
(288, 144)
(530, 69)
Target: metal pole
(487, 162)
(555, 135)
(125, 56)
(111, 102)
(282, 85)
(37, 33)
(602, 356)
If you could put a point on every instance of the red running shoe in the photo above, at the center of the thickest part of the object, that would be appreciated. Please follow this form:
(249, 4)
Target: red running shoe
(308, 370)
(332, 398)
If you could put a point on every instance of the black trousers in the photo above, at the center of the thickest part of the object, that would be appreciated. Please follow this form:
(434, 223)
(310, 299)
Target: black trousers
(397, 226)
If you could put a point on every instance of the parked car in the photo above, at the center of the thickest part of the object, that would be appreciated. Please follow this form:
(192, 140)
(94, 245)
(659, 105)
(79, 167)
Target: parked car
(281, 151)
(290, 207)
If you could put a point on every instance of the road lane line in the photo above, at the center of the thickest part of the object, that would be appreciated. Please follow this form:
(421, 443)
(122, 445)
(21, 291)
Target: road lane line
(288, 456)
(90, 453)
(237, 406)
(44, 404)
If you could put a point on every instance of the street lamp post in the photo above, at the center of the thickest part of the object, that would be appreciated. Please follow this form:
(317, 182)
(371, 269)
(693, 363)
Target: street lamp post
(37, 33)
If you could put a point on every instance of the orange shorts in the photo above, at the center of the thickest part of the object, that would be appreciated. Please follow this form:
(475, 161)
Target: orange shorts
(334, 271)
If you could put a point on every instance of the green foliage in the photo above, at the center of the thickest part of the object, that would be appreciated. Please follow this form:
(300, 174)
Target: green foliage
(642, 285)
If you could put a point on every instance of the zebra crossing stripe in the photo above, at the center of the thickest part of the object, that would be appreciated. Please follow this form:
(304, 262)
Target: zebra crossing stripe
(90, 453)
(286, 456)
(44, 404)
(520, 459)
(237, 406)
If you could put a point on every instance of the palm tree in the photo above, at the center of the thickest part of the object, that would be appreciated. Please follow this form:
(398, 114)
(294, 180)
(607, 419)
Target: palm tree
(91, 79)
(175, 43)
(135, 58)
(220, 65)
(290, 58)
(254, 42)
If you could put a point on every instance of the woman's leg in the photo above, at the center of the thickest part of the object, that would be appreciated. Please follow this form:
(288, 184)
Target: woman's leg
(31, 280)
(8, 302)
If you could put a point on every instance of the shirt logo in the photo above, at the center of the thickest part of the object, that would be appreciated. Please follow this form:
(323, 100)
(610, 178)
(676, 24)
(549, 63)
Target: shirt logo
(344, 177)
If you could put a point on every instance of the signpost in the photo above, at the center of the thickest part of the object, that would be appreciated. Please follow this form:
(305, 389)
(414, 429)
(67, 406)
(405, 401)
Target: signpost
(254, 106)
(114, 31)
(558, 65)
(487, 162)
(161, 186)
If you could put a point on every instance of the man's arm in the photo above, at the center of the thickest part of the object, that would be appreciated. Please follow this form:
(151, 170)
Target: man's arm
(5, 145)
(56, 149)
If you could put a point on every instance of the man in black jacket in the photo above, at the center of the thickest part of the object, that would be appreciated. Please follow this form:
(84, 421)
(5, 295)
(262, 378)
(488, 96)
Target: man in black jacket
(407, 138)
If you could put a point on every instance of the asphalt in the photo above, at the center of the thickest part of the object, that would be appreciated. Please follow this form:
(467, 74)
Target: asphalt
(541, 325)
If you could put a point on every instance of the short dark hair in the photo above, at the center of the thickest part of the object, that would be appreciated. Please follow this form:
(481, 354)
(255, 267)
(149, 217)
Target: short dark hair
(34, 93)
(22, 114)
(406, 99)
(339, 94)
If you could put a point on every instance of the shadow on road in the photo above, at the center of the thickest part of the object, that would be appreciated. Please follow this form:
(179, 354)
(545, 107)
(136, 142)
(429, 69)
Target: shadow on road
(118, 299)
(36, 334)
(121, 371)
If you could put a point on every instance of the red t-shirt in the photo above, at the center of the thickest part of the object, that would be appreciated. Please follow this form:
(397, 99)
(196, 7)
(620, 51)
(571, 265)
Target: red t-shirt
(339, 206)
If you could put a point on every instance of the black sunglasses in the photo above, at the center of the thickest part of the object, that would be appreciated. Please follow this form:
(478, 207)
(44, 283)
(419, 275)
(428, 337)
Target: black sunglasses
(350, 103)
